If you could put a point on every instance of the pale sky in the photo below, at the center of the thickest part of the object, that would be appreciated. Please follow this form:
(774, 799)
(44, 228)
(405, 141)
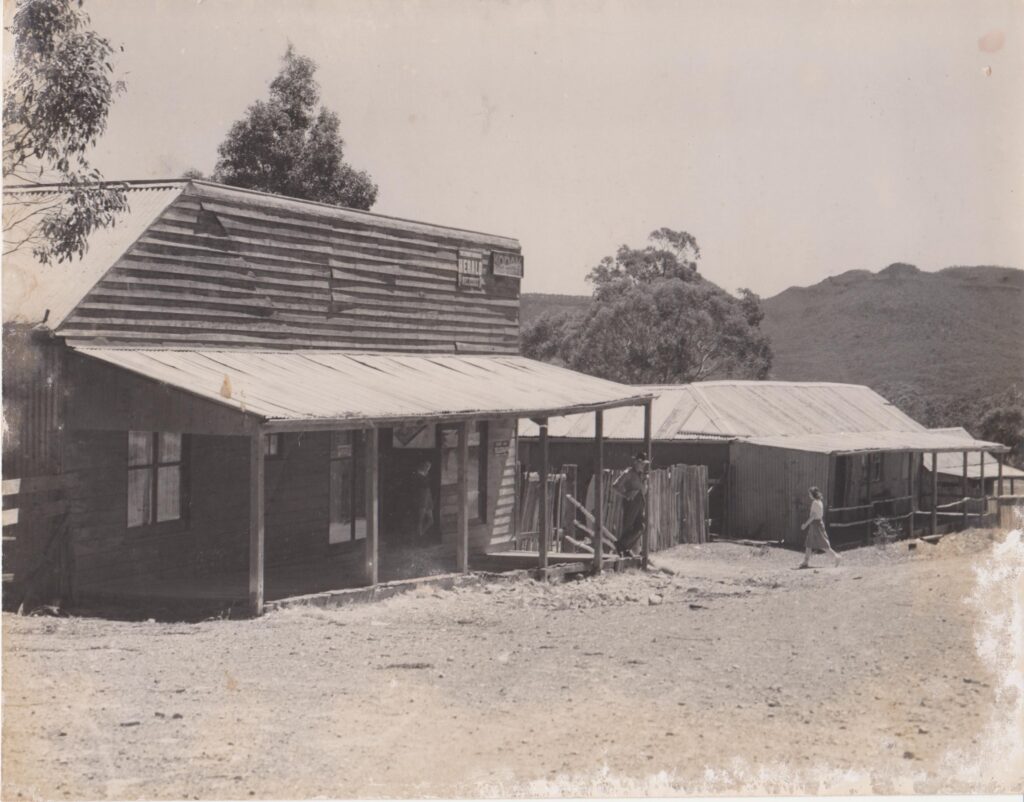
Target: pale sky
(794, 139)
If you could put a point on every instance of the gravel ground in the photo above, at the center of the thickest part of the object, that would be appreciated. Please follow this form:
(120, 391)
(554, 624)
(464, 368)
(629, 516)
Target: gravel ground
(737, 674)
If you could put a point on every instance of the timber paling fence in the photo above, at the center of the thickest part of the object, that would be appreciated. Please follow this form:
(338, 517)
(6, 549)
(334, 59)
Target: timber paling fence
(678, 509)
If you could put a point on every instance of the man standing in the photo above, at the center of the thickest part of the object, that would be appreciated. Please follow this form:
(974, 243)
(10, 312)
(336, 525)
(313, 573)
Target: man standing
(632, 486)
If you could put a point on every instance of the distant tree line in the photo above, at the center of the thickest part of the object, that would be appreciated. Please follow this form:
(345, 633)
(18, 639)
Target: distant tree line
(654, 319)
(998, 418)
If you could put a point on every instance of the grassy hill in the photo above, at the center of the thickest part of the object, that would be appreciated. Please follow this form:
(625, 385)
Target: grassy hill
(955, 332)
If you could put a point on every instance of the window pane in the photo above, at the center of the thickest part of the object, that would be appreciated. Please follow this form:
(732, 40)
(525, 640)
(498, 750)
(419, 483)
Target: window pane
(170, 447)
(271, 445)
(140, 496)
(140, 448)
(168, 493)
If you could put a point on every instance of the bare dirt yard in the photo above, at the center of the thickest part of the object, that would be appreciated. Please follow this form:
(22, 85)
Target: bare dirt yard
(899, 671)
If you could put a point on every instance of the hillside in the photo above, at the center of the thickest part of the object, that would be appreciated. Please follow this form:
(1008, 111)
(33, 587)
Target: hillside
(953, 332)
(534, 304)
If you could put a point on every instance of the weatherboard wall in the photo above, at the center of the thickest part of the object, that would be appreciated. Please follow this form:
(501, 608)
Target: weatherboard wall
(223, 267)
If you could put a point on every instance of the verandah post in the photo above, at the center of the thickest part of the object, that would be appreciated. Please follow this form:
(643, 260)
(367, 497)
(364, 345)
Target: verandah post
(256, 521)
(598, 490)
(963, 492)
(935, 492)
(645, 542)
(544, 536)
(462, 493)
(912, 491)
(372, 450)
(871, 503)
(984, 492)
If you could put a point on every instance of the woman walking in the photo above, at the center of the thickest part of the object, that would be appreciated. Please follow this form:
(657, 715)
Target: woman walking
(817, 537)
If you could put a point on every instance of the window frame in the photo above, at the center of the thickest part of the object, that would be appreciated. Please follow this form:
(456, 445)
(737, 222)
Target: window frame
(153, 467)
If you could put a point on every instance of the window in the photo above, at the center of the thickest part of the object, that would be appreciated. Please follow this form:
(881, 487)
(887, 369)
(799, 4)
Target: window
(273, 445)
(154, 477)
(476, 469)
(876, 467)
(348, 488)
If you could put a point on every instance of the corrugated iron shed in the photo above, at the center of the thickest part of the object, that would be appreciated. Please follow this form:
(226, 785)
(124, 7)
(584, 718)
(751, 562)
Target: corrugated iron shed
(744, 409)
(345, 386)
(33, 292)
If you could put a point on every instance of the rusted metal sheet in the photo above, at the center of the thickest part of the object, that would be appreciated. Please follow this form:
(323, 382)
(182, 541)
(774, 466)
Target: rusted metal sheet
(853, 442)
(32, 291)
(951, 462)
(343, 386)
(768, 496)
(743, 409)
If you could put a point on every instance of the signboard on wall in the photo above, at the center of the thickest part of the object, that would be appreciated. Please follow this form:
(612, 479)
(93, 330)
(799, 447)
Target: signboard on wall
(415, 436)
(471, 269)
(500, 448)
(507, 264)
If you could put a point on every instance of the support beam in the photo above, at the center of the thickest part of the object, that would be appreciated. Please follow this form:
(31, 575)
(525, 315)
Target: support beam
(911, 491)
(645, 537)
(256, 522)
(984, 492)
(963, 493)
(999, 480)
(598, 488)
(462, 493)
(935, 492)
(372, 548)
(870, 499)
(544, 536)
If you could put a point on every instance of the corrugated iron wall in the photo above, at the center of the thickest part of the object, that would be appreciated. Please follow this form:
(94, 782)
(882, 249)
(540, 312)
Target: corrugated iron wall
(33, 390)
(768, 491)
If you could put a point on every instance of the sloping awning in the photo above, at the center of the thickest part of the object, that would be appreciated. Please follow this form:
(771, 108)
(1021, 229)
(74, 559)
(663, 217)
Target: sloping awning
(854, 442)
(952, 464)
(297, 390)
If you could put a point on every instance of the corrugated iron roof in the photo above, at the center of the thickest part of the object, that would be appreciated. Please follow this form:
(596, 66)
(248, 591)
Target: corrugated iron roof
(346, 386)
(30, 289)
(744, 409)
(952, 463)
(853, 442)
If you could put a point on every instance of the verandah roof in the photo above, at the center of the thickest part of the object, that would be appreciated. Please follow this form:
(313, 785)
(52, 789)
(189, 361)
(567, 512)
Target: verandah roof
(938, 440)
(292, 389)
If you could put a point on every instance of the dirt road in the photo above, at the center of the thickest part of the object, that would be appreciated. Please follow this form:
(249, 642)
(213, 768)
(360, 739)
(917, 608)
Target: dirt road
(890, 674)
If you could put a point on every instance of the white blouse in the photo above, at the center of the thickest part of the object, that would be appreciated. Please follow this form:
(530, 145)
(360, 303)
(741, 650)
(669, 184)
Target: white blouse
(817, 510)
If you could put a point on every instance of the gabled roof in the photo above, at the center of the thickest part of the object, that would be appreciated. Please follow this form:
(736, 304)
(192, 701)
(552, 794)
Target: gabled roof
(727, 410)
(340, 387)
(32, 291)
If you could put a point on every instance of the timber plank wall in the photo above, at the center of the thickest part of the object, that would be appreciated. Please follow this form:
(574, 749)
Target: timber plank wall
(221, 267)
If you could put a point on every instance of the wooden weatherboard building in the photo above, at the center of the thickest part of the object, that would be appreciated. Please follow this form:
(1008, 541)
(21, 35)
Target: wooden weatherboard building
(766, 442)
(229, 396)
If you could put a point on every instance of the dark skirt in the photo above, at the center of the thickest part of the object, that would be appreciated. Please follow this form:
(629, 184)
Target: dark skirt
(817, 537)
